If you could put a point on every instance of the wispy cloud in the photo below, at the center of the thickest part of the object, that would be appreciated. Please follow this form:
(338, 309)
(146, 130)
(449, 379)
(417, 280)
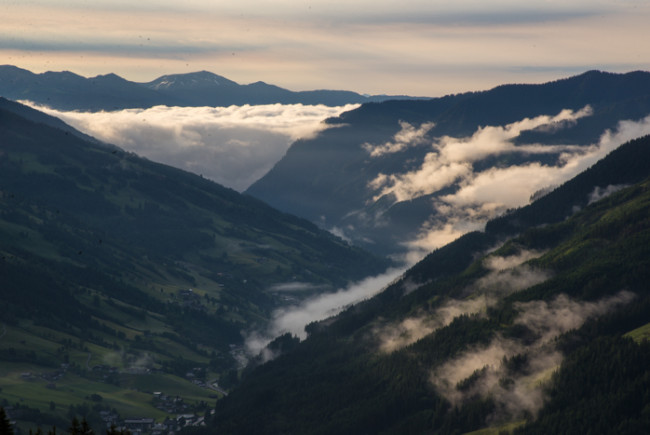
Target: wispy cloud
(450, 158)
(506, 275)
(482, 194)
(602, 192)
(508, 370)
(295, 286)
(233, 146)
(294, 319)
(488, 371)
(408, 136)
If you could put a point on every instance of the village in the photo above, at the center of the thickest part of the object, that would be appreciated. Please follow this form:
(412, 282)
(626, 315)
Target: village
(179, 413)
(180, 416)
(145, 425)
(173, 405)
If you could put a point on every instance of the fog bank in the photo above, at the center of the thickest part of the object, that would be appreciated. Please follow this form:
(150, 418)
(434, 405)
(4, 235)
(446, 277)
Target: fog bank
(234, 146)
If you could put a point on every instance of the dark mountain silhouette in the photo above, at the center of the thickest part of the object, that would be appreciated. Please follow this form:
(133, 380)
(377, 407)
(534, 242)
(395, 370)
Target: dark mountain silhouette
(157, 210)
(69, 91)
(205, 88)
(106, 256)
(39, 117)
(326, 179)
(459, 344)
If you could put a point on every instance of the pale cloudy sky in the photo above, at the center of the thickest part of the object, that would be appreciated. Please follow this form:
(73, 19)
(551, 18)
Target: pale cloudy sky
(416, 47)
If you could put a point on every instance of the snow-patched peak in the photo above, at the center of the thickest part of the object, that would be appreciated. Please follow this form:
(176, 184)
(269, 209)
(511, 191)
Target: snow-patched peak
(195, 80)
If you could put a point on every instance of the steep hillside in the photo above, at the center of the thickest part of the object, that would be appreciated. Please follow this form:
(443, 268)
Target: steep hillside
(112, 266)
(39, 117)
(529, 332)
(384, 174)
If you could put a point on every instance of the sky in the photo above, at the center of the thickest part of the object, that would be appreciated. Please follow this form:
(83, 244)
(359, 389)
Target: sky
(414, 47)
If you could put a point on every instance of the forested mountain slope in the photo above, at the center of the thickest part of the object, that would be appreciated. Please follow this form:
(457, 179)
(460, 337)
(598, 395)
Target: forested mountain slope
(539, 328)
(385, 173)
(109, 260)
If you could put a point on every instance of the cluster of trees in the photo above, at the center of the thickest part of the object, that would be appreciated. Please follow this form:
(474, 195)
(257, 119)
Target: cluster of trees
(602, 387)
(76, 428)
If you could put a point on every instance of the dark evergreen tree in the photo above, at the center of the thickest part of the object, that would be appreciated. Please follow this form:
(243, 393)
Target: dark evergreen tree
(5, 424)
(114, 431)
(77, 428)
(85, 428)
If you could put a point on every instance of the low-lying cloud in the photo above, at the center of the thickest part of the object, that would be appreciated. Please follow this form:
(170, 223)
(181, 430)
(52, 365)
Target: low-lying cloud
(234, 146)
(450, 158)
(296, 286)
(511, 372)
(294, 319)
(506, 275)
(602, 192)
(483, 194)
(409, 136)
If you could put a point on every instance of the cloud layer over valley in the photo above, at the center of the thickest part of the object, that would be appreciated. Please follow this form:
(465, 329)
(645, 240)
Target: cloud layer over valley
(233, 146)
(294, 319)
(480, 193)
(237, 145)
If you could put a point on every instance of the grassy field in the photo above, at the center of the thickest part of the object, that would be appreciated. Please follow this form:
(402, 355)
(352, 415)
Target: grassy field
(640, 334)
(508, 428)
(53, 389)
(131, 398)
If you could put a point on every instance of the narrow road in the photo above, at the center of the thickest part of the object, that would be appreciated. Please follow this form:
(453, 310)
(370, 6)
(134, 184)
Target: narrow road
(214, 386)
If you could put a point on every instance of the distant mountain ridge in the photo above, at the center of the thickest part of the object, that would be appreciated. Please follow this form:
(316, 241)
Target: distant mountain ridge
(68, 91)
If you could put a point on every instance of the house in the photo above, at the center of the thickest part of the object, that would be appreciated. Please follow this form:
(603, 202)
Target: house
(139, 425)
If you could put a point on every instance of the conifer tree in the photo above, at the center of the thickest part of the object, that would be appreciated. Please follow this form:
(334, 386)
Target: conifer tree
(85, 428)
(114, 431)
(82, 428)
(5, 424)
(75, 427)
